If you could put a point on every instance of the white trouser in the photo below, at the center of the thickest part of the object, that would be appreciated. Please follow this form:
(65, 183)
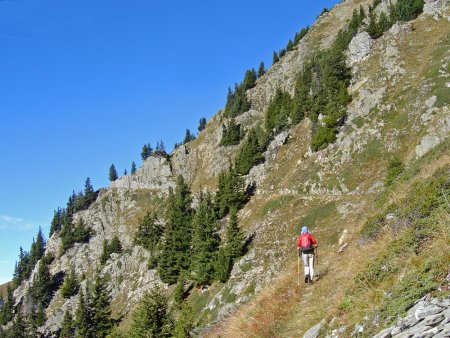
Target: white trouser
(308, 262)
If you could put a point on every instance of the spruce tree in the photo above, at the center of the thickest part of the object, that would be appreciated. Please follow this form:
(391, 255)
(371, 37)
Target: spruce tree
(101, 310)
(20, 324)
(152, 317)
(249, 155)
(261, 69)
(69, 287)
(89, 193)
(67, 326)
(175, 255)
(290, 45)
(201, 124)
(105, 252)
(133, 168)
(275, 58)
(41, 287)
(222, 265)
(205, 241)
(234, 238)
(184, 325)
(112, 173)
(82, 318)
(149, 232)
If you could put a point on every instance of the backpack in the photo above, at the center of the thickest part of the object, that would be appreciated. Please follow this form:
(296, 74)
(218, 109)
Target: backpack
(305, 243)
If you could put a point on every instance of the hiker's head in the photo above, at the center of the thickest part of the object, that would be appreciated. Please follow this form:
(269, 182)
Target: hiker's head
(304, 230)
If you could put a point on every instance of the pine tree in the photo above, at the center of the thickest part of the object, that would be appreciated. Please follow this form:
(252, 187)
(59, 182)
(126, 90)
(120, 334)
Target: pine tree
(146, 152)
(56, 221)
(201, 124)
(290, 45)
(105, 252)
(112, 173)
(249, 155)
(188, 137)
(384, 22)
(373, 28)
(249, 80)
(70, 285)
(234, 238)
(101, 311)
(152, 317)
(230, 192)
(184, 324)
(20, 325)
(89, 193)
(282, 53)
(67, 326)
(37, 249)
(205, 241)
(222, 265)
(41, 287)
(261, 69)
(275, 58)
(82, 318)
(149, 232)
(133, 168)
(175, 256)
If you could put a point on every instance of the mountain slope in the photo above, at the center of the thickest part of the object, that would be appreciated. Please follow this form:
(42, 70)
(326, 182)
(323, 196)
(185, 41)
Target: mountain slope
(399, 110)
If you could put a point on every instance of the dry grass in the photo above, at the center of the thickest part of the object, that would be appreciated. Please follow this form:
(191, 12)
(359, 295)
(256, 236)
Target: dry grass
(4, 288)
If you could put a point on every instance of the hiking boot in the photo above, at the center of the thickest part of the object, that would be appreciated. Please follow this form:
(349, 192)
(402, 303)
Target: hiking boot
(306, 278)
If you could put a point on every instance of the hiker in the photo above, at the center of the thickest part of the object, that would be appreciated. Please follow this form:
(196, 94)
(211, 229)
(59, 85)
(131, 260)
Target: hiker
(306, 243)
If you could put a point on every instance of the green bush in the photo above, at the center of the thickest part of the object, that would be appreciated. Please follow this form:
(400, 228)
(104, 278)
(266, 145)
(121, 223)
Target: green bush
(395, 168)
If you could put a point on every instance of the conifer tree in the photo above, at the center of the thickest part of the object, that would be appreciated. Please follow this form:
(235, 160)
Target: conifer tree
(282, 53)
(20, 325)
(201, 124)
(249, 155)
(290, 45)
(82, 318)
(261, 69)
(175, 256)
(101, 311)
(133, 168)
(112, 173)
(205, 241)
(70, 285)
(67, 326)
(56, 221)
(37, 249)
(89, 193)
(146, 152)
(384, 24)
(230, 192)
(275, 58)
(184, 325)
(152, 317)
(149, 232)
(373, 28)
(222, 265)
(41, 287)
(234, 238)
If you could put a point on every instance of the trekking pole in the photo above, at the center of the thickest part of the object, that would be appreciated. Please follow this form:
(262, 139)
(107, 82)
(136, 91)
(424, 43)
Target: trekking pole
(298, 269)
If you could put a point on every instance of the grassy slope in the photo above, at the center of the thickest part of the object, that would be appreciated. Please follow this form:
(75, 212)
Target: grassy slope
(280, 309)
(3, 289)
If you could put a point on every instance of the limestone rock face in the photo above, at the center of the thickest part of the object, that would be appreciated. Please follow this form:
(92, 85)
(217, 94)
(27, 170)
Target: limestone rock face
(154, 174)
(359, 48)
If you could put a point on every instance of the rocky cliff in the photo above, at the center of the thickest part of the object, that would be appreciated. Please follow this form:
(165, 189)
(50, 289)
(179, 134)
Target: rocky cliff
(399, 108)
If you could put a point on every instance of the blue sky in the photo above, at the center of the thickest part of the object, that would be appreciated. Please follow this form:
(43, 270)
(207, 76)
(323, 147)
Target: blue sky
(84, 84)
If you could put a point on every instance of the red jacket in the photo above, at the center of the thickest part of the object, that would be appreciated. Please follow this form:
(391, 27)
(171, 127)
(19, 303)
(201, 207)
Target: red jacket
(311, 237)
